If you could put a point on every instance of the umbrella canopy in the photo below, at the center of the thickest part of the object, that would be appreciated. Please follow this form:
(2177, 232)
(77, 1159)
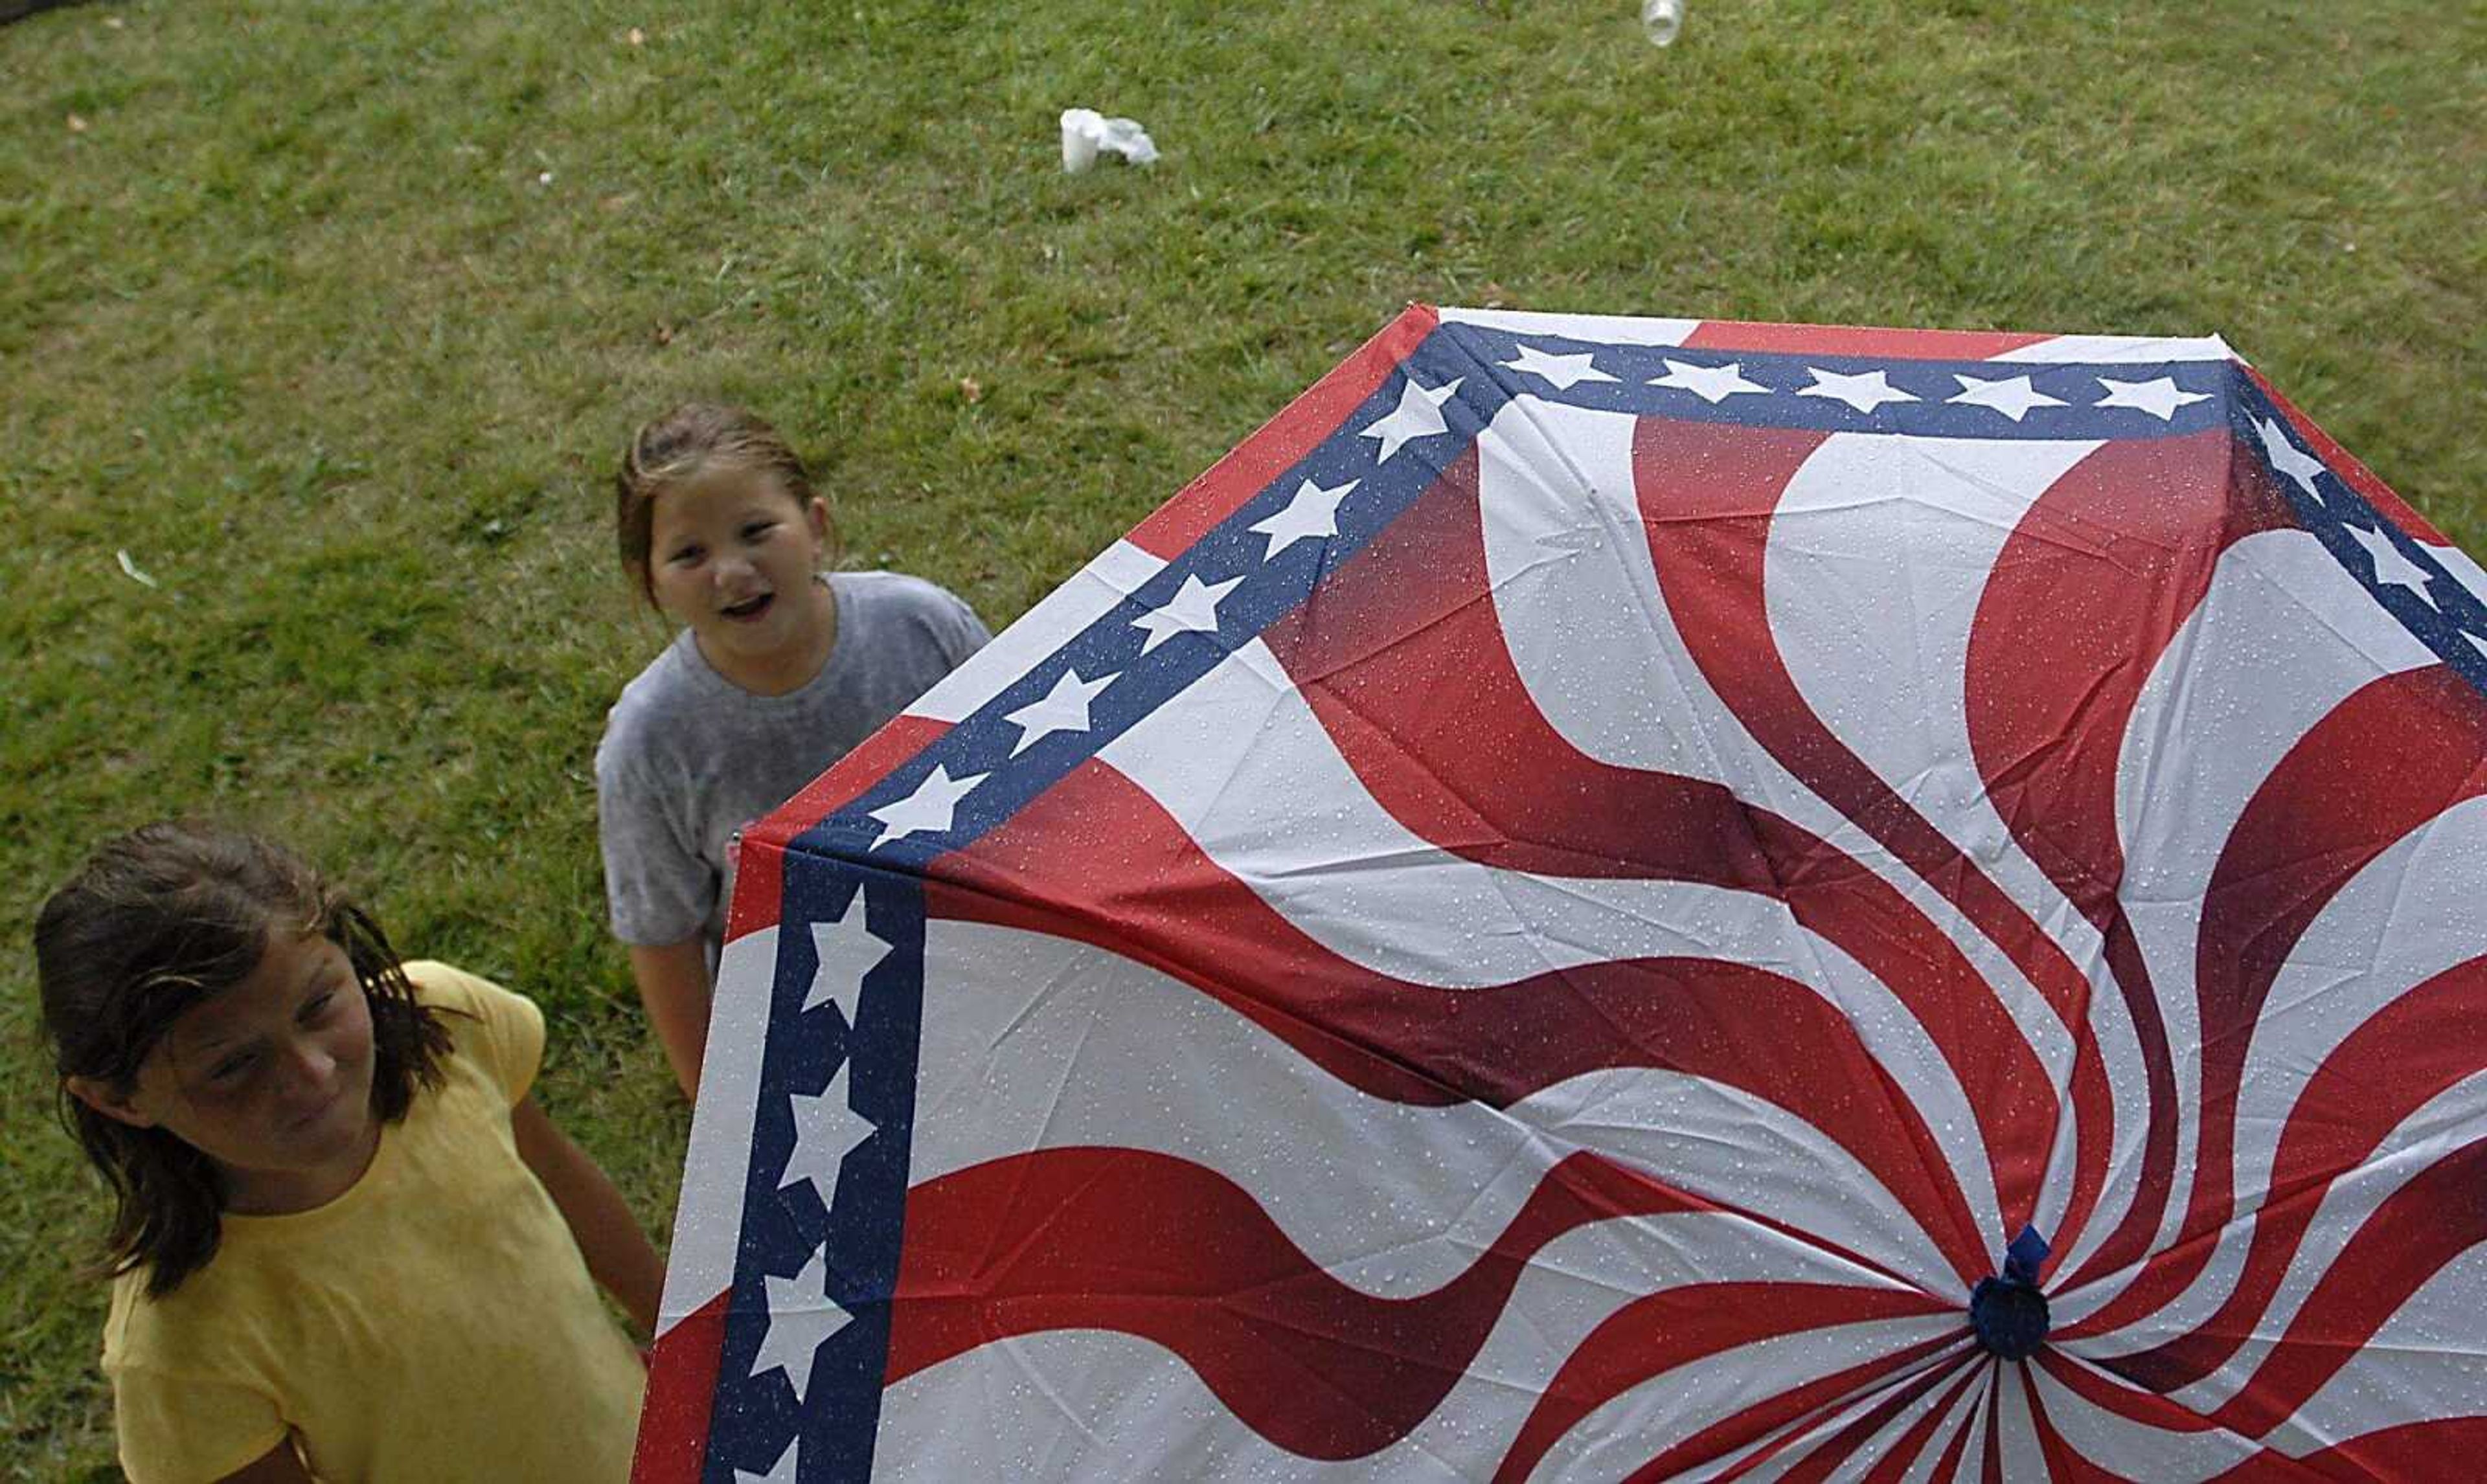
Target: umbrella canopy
(1620, 897)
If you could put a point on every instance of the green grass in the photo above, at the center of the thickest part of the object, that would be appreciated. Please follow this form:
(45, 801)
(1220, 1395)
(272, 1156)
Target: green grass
(332, 316)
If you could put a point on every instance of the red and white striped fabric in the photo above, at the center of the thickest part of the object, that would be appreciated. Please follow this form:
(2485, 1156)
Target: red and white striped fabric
(1555, 915)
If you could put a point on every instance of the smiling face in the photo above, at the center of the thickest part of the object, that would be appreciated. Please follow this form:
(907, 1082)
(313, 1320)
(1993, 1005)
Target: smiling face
(731, 554)
(270, 1079)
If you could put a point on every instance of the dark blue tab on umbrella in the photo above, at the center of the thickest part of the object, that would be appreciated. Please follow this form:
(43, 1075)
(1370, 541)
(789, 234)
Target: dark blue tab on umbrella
(2021, 1259)
(2008, 1312)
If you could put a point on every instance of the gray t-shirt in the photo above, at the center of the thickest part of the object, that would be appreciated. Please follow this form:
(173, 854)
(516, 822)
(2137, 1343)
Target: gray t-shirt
(689, 758)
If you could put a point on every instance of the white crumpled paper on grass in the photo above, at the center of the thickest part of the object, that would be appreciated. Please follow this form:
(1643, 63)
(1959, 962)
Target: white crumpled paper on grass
(1085, 131)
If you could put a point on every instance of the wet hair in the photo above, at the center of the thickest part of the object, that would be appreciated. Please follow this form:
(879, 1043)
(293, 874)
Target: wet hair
(686, 444)
(158, 920)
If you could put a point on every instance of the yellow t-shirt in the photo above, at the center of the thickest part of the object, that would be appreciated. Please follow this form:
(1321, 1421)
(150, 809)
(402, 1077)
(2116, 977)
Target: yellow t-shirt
(434, 1322)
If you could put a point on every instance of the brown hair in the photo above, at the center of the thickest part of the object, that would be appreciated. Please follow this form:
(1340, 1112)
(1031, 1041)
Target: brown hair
(160, 919)
(687, 443)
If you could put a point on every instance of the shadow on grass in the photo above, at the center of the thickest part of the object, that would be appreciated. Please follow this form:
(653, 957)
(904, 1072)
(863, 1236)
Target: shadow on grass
(20, 10)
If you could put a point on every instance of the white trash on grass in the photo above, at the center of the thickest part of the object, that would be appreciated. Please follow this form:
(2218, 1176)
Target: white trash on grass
(1085, 131)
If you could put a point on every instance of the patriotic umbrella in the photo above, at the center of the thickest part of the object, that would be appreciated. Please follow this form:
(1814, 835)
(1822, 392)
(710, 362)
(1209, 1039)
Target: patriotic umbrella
(1640, 898)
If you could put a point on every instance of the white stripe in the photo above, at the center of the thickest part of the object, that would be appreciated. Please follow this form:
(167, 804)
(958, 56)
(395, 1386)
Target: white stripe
(1963, 1416)
(1060, 617)
(2279, 640)
(2099, 350)
(1807, 1435)
(1969, 1468)
(2121, 1447)
(1633, 1428)
(2119, 1047)
(2425, 1362)
(1608, 329)
(1880, 552)
(1032, 1042)
(709, 1229)
(2016, 1431)
(1577, 596)
(1887, 1437)
(2412, 913)
(2446, 1123)
(1102, 1405)
(1248, 772)
(1596, 647)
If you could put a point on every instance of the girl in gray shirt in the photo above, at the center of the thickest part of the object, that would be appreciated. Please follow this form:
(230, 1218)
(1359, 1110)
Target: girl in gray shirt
(779, 670)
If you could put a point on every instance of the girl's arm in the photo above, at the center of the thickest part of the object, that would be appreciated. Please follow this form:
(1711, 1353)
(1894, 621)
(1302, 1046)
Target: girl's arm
(607, 1234)
(673, 985)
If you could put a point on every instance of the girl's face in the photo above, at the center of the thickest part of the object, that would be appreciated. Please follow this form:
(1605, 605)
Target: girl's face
(271, 1080)
(732, 555)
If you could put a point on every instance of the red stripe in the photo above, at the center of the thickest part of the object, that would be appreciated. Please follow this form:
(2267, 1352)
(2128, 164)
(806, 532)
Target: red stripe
(2395, 754)
(759, 884)
(1708, 495)
(1155, 1247)
(1991, 1467)
(2082, 600)
(2437, 1448)
(2063, 1460)
(1857, 341)
(1656, 1335)
(1791, 1408)
(854, 775)
(2413, 1049)
(2144, 1409)
(1825, 1457)
(2154, 1184)
(1156, 898)
(1284, 440)
(681, 1385)
(1902, 1456)
(2081, 604)
(1400, 654)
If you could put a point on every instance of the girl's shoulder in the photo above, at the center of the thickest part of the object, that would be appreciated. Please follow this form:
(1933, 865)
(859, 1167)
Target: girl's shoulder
(194, 1330)
(499, 1031)
(674, 672)
(673, 693)
(872, 604)
(134, 1328)
(449, 987)
(899, 589)
(202, 1329)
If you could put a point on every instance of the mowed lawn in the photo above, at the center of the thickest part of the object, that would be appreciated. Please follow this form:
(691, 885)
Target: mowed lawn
(331, 317)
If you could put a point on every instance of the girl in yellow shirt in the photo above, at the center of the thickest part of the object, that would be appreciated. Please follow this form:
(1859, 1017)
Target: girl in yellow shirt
(347, 1245)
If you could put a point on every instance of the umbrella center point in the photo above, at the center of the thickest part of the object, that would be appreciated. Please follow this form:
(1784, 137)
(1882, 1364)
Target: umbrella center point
(2010, 1318)
(2008, 1311)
